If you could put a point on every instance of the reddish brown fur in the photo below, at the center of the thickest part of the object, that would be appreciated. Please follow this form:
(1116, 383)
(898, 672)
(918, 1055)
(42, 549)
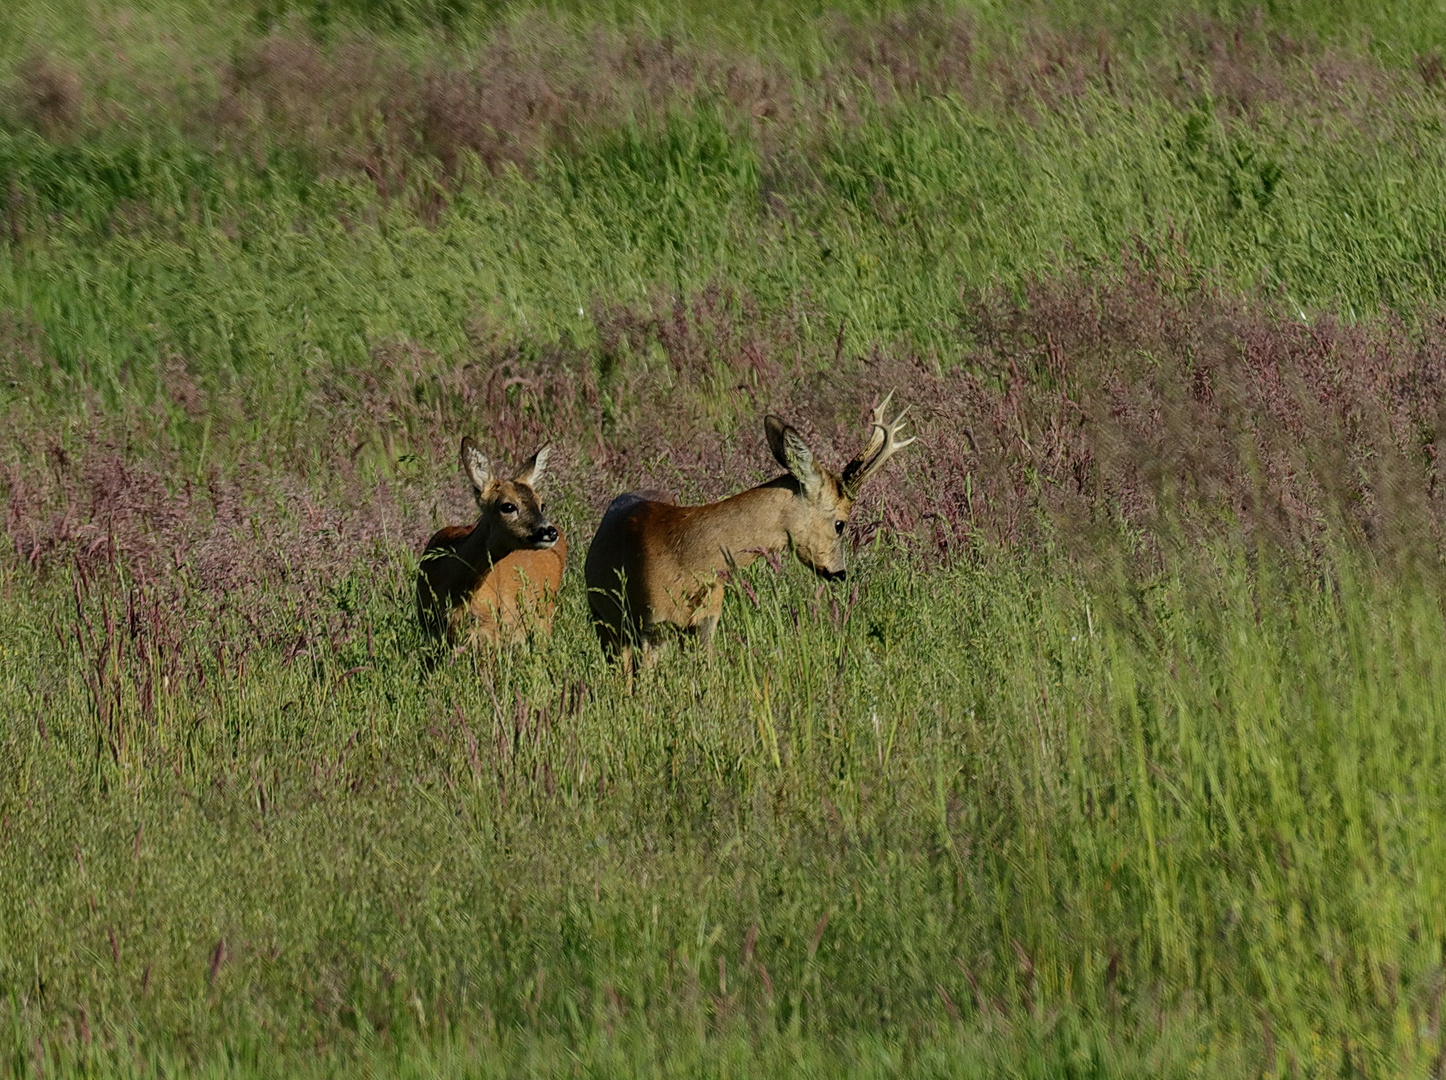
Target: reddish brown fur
(495, 580)
(521, 588)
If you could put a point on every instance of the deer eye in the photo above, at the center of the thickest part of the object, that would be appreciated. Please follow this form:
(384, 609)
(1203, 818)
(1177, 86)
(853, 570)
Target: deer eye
(838, 527)
(508, 508)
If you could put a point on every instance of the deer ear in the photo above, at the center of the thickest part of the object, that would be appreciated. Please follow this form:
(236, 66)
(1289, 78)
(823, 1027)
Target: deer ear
(476, 465)
(536, 465)
(793, 454)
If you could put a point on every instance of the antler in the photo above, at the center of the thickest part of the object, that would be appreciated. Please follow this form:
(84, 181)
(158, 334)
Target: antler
(883, 444)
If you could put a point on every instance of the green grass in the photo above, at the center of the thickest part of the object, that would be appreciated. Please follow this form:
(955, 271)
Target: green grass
(993, 813)
(137, 243)
(1212, 802)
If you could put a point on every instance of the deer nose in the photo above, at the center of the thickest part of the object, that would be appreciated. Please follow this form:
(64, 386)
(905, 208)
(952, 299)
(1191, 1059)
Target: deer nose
(545, 535)
(835, 575)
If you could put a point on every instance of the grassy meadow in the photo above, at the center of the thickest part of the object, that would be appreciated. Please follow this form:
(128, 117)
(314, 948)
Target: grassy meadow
(1121, 752)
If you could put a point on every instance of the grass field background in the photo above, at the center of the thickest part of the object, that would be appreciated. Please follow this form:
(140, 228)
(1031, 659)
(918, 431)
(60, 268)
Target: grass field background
(1120, 753)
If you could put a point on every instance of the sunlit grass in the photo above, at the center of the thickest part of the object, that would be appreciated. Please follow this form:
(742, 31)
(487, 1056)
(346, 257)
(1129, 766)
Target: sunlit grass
(974, 797)
(977, 811)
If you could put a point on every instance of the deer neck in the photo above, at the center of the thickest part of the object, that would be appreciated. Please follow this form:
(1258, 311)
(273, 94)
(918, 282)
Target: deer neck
(740, 528)
(483, 546)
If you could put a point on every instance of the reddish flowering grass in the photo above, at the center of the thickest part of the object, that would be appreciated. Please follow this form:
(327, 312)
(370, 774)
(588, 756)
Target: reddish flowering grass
(1087, 405)
(533, 88)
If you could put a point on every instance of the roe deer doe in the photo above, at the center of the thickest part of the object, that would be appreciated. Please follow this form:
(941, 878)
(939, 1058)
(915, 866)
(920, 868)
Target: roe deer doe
(491, 581)
(653, 564)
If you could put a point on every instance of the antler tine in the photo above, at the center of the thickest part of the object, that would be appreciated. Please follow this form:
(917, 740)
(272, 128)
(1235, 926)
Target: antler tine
(878, 417)
(883, 444)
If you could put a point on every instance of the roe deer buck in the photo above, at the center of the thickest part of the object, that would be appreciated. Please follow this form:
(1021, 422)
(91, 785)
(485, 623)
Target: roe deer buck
(482, 583)
(653, 564)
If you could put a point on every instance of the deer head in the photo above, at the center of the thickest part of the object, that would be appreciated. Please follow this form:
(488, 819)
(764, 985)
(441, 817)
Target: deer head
(815, 522)
(511, 511)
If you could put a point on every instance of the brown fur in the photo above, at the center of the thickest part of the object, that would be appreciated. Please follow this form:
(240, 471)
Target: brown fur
(495, 580)
(521, 588)
(654, 565)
